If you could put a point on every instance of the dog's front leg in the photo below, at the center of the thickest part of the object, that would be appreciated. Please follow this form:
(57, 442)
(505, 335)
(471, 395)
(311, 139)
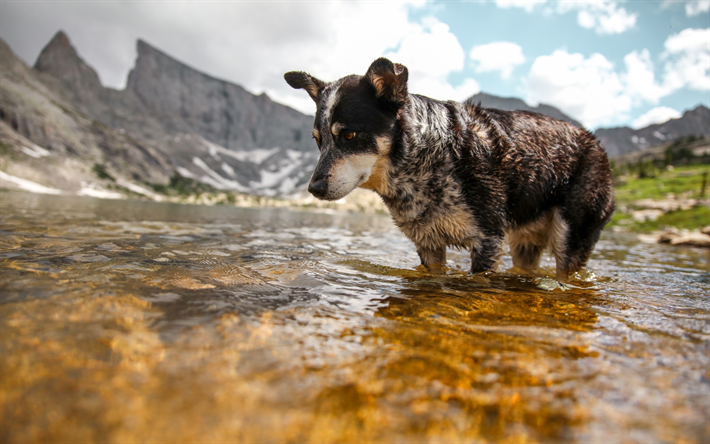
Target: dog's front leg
(434, 258)
(486, 254)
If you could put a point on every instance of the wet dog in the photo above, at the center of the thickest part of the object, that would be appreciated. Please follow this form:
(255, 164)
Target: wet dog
(461, 175)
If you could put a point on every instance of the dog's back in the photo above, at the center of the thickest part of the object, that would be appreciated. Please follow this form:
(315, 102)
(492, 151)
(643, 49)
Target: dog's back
(555, 180)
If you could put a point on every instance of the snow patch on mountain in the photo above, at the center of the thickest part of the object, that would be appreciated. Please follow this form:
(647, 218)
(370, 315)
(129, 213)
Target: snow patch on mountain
(27, 185)
(216, 180)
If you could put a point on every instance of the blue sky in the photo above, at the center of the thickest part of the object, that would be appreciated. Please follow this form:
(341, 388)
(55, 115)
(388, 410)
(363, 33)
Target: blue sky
(605, 63)
(541, 30)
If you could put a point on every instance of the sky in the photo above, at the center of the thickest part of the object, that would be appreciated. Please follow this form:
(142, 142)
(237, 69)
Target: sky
(604, 63)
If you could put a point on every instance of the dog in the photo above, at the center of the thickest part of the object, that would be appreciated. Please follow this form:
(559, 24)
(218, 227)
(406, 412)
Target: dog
(460, 175)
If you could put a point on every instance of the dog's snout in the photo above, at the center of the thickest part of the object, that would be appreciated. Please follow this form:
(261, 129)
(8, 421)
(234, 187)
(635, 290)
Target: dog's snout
(318, 187)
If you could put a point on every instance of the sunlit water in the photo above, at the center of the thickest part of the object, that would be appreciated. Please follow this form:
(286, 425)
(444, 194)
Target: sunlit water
(144, 322)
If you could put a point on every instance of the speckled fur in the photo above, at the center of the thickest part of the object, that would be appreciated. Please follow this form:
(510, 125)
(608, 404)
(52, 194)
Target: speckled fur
(461, 175)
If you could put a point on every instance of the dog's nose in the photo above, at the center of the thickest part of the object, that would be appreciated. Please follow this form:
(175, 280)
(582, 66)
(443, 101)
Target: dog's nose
(318, 187)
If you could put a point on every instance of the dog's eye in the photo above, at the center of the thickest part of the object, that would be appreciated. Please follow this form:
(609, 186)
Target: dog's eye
(348, 135)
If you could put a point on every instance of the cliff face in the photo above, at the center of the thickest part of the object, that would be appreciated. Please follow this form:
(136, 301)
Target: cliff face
(219, 111)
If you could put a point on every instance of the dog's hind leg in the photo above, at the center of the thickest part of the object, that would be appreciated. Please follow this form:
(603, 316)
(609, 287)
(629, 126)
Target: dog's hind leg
(582, 235)
(526, 256)
(528, 242)
(432, 258)
(588, 206)
(486, 254)
(576, 253)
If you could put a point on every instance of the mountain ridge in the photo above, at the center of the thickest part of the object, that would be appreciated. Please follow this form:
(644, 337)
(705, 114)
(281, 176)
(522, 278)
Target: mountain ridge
(172, 118)
(623, 140)
(205, 126)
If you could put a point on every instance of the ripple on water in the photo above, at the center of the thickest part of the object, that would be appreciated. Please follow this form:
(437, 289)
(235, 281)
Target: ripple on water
(138, 321)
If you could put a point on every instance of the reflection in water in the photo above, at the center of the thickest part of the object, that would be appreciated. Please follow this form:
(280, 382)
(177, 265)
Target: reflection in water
(134, 321)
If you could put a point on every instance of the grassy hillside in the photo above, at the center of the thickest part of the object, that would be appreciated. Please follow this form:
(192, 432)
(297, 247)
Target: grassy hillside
(649, 198)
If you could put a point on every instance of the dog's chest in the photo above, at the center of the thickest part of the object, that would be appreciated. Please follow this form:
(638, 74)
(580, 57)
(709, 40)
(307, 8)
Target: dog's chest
(432, 212)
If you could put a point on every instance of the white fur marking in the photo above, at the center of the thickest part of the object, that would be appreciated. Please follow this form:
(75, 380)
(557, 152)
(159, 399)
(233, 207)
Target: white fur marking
(349, 174)
(329, 103)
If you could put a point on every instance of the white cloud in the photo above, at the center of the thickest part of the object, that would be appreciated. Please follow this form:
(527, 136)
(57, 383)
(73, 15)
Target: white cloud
(527, 5)
(431, 52)
(497, 56)
(659, 114)
(243, 42)
(604, 16)
(697, 7)
(687, 56)
(430, 48)
(594, 92)
(640, 79)
(588, 89)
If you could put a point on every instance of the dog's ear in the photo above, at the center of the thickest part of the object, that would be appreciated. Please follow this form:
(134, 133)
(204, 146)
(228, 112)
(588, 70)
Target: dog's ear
(302, 80)
(389, 80)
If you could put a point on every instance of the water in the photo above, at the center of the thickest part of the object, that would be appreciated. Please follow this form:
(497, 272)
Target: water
(145, 322)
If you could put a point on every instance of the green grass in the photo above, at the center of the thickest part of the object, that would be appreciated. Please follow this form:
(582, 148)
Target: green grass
(183, 186)
(101, 173)
(5, 149)
(697, 217)
(692, 219)
(684, 181)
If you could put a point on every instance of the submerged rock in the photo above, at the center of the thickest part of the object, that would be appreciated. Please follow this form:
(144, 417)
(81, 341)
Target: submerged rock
(697, 238)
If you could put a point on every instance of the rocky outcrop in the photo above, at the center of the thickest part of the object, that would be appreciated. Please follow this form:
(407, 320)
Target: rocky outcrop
(622, 140)
(60, 60)
(680, 238)
(222, 112)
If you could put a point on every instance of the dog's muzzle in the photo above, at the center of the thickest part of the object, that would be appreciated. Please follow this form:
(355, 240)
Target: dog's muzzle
(318, 187)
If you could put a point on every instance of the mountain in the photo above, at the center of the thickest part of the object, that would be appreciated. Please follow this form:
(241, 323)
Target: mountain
(513, 104)
(202, 127)
(62, 130)
(45, 139)
(623, 140)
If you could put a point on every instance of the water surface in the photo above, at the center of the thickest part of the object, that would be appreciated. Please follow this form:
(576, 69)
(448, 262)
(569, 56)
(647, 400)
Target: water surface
(144, 322)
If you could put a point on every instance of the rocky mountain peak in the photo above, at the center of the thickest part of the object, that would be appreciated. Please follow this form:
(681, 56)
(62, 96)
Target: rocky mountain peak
(59, 59)
(9, 62)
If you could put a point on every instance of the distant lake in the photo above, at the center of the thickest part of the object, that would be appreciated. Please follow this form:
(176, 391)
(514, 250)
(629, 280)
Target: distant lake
(135, 321)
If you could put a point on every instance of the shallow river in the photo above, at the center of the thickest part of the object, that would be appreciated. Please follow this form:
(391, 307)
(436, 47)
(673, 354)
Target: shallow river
(146, 322)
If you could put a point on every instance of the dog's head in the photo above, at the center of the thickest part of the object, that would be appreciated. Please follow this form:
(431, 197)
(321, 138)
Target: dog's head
(354, 126)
